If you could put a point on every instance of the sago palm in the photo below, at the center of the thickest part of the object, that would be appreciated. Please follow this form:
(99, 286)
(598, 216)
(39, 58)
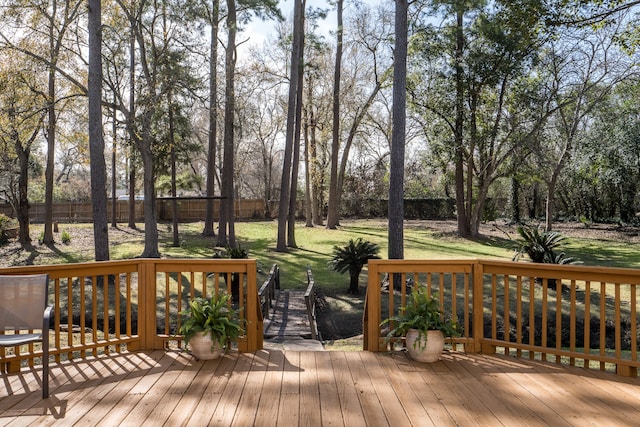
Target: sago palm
(539, 245)
(352, 258)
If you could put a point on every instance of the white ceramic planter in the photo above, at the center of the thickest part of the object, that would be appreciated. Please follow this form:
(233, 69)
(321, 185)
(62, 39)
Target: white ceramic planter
(425, 353)
(201, 347)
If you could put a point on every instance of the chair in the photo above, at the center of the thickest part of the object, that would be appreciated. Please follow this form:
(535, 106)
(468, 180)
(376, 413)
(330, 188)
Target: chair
(23, 309)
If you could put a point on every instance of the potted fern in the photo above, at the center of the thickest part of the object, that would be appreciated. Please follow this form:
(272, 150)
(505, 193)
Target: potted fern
(208, 325)
(423, 325)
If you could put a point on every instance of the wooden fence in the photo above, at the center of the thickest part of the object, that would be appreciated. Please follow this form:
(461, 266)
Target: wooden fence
(189, 209)
(112, 306)
(563, 313)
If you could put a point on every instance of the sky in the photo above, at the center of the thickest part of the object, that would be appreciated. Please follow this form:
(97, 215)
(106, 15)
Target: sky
(258, 31)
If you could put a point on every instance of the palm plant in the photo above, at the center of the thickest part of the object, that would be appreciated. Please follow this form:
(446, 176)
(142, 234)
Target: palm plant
(352, 258)
(541, 246)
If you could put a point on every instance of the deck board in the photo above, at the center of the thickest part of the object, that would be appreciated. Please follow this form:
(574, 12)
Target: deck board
(275, 387)
(347, 393)
(330, 404)
(309, 390)
(213, 392)
(267, 410)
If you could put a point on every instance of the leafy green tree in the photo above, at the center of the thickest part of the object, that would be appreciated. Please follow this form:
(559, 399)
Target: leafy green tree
(602, 181)
(352, 258)
(472, 63)
(584, 67)
(238, 12)
(22, 113)
(161, 43)
(48, 26)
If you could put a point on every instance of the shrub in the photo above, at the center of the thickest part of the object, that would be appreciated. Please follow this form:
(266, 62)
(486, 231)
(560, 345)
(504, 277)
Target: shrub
(66, 237)
(352, 258)
(541, 246)
(7, 222)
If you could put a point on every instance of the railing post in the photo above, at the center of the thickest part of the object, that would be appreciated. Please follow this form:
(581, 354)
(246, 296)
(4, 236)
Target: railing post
(478, 309)
(254, 333)
(146, 304)
(626, 370)
(371, 327)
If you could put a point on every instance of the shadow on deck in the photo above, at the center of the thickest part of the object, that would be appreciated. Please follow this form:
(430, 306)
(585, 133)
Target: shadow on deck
(273, 387)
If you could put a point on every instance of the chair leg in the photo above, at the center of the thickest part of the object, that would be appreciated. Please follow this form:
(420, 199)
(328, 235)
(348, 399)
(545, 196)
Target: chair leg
(45, 369)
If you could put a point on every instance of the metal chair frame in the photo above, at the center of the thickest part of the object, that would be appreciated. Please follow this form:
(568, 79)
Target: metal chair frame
(20, 300)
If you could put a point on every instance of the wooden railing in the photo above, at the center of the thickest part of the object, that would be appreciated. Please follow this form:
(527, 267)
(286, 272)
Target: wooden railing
(267, 292)
(112, 306)
(310, 302)
(565, 313)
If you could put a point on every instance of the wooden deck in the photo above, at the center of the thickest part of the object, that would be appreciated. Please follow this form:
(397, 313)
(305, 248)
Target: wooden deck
(317, 388)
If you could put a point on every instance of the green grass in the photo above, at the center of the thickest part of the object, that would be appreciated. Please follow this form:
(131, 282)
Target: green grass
(315, 247)
(604, 253)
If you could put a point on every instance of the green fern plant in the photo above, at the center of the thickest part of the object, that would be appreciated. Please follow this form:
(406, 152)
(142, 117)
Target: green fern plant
(211, 315)
(423, 313)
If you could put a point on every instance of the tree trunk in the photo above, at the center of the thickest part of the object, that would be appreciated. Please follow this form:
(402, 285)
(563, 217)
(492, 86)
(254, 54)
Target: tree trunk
(226, 235)
(333, 215)
(150, 219)
(114, 182)
(308, 210)
(22, 211)
(285, 183)
(132, 115)
(174, 191)
(213, 126)
(354, 287)
(23, 152)
(516, 217)
(396, 172)
(291, 226)
(96, 139)
(464, 228)
(51, 149)
(132, 186)
(316, 208)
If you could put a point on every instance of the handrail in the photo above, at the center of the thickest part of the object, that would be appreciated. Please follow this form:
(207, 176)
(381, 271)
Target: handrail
(310, 302)
(112, 306)
(564, 313)
(267, 292)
